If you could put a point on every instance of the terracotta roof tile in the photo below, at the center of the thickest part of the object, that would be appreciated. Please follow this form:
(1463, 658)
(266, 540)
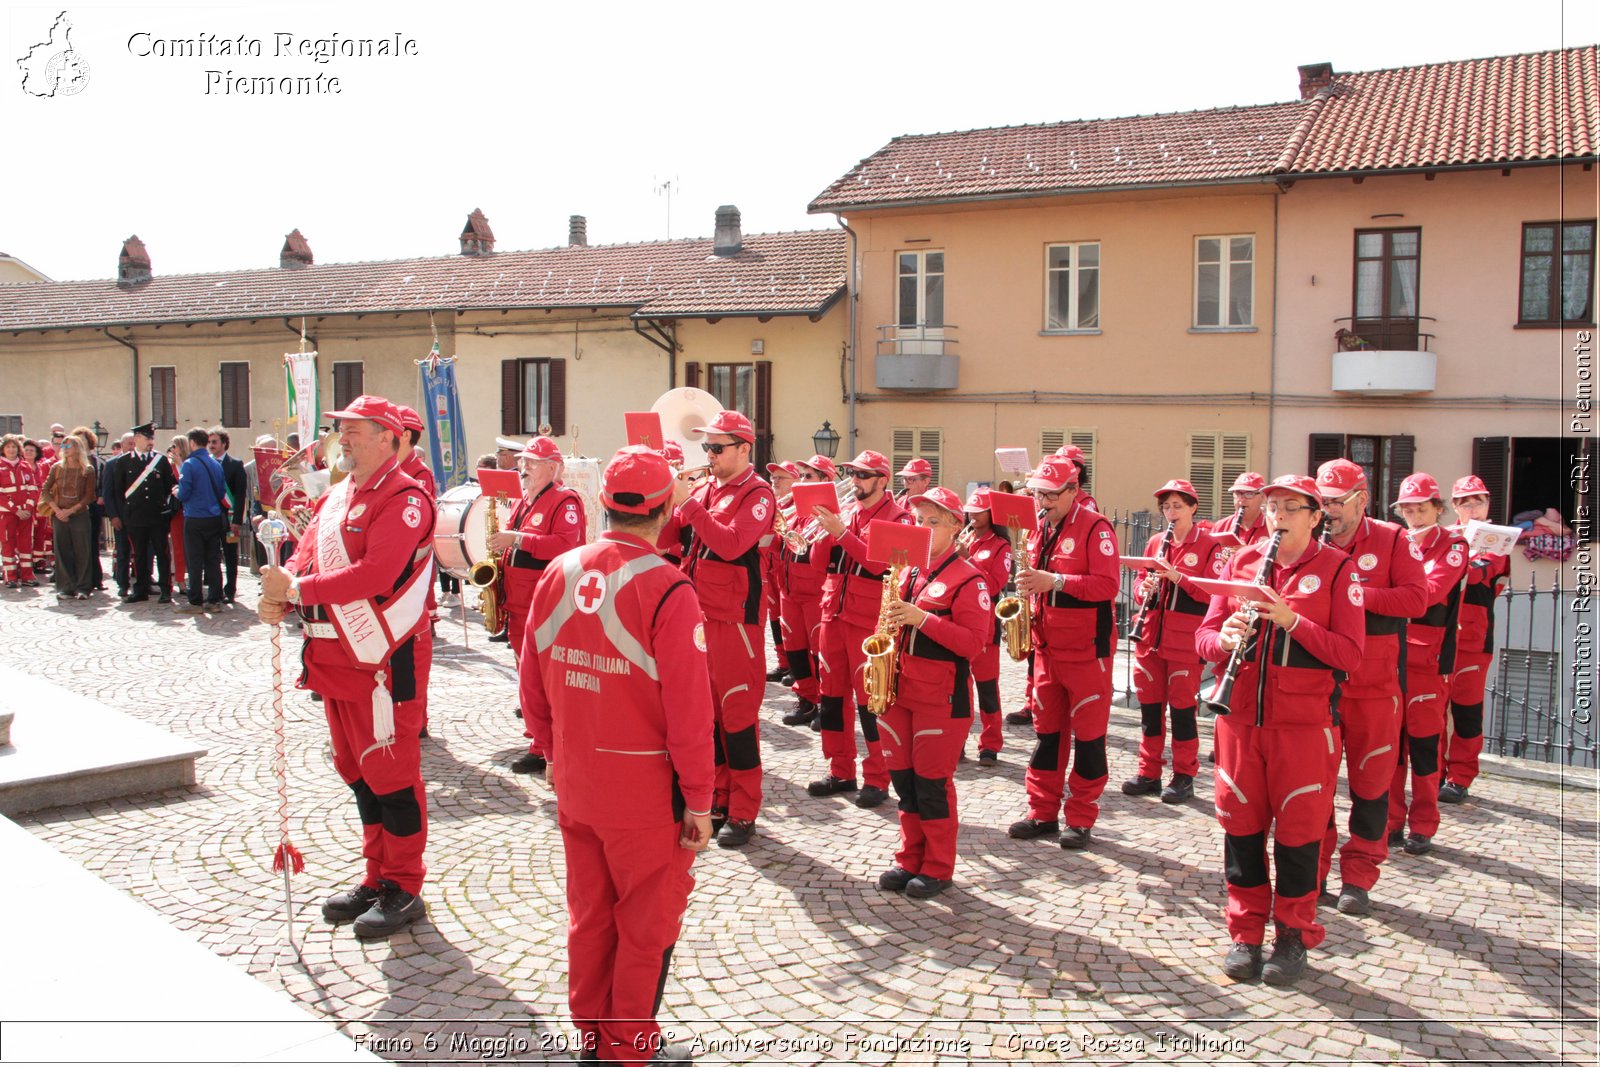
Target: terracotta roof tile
(775, 273)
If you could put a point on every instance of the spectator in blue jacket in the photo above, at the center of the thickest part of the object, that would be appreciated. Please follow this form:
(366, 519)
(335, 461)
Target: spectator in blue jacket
(202, 492)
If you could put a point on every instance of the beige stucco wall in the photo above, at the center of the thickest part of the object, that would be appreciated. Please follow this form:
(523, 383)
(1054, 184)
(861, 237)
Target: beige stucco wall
(14, 270)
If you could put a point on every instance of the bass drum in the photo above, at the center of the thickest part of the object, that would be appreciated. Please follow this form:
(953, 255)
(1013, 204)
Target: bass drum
(461, 529)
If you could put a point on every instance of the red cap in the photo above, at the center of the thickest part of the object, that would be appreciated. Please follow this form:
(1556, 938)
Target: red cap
(540, 448)
(1338, 477)
(672, 452)
(1418, 488)
(783, 468)
(640, 471)
(1296, 483)
(1179, 486)
(375, 408)
(870, 461)
(1470, 485)
(409, 419)
(732, 424)
(1248, 482)
(978, 501)
(1072, 452)
(825, 465)
(939, 497)
(1054, 475)
(915, 467)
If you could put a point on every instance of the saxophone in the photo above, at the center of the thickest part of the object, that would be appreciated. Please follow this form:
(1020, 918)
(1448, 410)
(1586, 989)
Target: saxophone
(880, 647)
(485, 575)
(1016, 612)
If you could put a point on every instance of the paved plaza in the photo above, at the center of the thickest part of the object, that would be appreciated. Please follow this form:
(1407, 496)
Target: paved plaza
(1483, 951)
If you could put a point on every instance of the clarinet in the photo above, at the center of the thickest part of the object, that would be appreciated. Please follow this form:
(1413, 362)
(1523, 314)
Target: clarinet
(1152, 592)
(1222, 695)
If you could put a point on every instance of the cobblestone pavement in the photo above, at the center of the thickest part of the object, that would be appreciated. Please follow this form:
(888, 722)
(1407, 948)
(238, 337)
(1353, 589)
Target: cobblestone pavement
(1484, 950)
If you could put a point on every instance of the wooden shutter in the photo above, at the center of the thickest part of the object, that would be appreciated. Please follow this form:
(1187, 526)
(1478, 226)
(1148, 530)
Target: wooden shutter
(1084, 438)
(1402, 461)
(763, 415)
(1324, 446)
(1491, 461)
(349, 382)
(557, 400)
(510, 398)
(164, 397)
(691, 376)
(909, 442)
(1235, 460)
(235, 394)
(1203, 472)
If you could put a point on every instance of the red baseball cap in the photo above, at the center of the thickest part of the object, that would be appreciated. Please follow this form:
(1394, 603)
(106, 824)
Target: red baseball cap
(824, 465)
(1469, 485)
(731, 423)
(1417, 489)
(1179, 486)
(870, 461)
(784, 467)
(1068, 452)
(373, 408)
(409, 419)
(1054, 475)
(1248, 482)
(915, 467)
(978, 501)
(1338, 477)
(540, 448)
(638, 472)
(671, 452)
(939, 497)
(1296, 483)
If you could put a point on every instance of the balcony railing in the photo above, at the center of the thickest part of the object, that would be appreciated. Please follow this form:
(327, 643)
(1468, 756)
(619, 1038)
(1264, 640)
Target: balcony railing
(917, 357)
(1384, 357)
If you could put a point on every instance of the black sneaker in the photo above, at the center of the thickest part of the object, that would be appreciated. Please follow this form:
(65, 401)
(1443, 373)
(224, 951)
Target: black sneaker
(395, 910)
(1417, 844)
(802, 714)
(988, 757)
(528, 763)
(924, 888)
(787, 680)
(1023, 829)
(1178, 790)
(164, 598)
(895, 879)
(1075, 837)
(1450, 793)
(1397, 838)
(1243, 962)
(827, 787)
(871, 796)
(350, 904)
(1288, 960)
(719, 819)
(816, 724)
(1140, 786)
(777, 672)
(735, 832)
(1353, 900)
(1019, 718)
(501, 638)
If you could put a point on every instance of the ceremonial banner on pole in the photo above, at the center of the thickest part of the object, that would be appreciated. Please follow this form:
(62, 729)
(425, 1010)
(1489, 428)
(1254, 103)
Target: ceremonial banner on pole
(441, 410)
(305, 406)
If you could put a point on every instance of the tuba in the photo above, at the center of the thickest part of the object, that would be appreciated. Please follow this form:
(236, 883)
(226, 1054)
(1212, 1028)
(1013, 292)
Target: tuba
(1016, 612)
(681, 410)
(880, 647)
(485, 575)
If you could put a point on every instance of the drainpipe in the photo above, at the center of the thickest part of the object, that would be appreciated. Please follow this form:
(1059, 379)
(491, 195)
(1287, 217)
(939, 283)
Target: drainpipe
(131, 347)
(1272, 379)
(851, 295)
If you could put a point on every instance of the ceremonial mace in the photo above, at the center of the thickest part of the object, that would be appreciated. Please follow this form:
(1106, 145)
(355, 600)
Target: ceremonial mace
(286, 858)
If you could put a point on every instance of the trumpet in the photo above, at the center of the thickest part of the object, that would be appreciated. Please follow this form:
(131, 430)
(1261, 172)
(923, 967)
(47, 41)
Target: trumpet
(964, 540)
(1222, 696)
(1016, 612)
(880, 647)
(787, 533)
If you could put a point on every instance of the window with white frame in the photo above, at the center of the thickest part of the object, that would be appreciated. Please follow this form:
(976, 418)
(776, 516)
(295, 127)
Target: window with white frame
(920, 297)
(1072, 286)
(1224, 281)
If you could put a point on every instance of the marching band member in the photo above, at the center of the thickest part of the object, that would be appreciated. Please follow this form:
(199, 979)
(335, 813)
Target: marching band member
(1075, 455)
(43, 546)
(412, 466)
(852, 594)
(989, 550)
(1274, 770)
(944, 616)
(360, 579)
(802, 604)
(727, 516)
(782, 477)
(1388, 568)
(915, 477)
(1488, 575)
(546, 522)
(1166, 669)
(1074, 574)
(1430, 660)
(617, 690)
(19, 499)
(1246, 525)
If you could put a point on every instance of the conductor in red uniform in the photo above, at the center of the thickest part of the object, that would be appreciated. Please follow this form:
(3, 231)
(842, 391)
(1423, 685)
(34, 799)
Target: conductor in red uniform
(615, 688)
(360, 578)
(1073, 575)
(727, 517)
(945, 616)
(1275, 749)
(1488, 574)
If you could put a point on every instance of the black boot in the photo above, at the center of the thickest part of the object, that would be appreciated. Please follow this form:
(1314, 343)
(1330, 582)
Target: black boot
(1288, 960)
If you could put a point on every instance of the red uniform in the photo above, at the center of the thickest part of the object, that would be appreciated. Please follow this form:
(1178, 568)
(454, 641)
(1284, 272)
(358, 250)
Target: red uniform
(772, 589)
(386, 529)
(1430, 659)
(801, 586)
(1275, 767)
(1166, 667)
(1488, 575)
(926, 727)
(852, 594)
(727, 524)
(1073, 639)
(43, 534)
(551, 523)
(990, 554)
(617, 629)
(413, 467)
(1389, 569)
(19, 502)
(1230, 537)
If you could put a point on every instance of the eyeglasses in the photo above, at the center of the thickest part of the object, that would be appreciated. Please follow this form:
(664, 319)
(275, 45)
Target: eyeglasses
(1040, 494)
(57, 436)
(1339, 502)
(1287, 509)
(716, 450)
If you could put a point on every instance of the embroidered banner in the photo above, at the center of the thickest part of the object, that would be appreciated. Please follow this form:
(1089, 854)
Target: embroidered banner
(441, 411)
(300, 375)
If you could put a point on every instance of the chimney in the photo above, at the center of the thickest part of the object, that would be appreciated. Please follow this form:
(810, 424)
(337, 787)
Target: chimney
(133, 266)
(577, 230)
(296, 252)
(1315, 77)
(476, 237)
(726, 241)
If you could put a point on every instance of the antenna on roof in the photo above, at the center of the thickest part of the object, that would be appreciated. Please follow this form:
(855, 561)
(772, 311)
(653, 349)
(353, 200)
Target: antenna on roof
(667, 188)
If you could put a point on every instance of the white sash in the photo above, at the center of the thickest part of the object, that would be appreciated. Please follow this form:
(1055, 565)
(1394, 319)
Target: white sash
(155, 457)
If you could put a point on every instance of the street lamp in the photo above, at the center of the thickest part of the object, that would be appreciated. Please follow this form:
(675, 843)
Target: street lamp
(99, 435)
(826, 440)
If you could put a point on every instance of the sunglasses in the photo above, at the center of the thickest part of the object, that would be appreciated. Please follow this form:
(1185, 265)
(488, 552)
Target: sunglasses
(57, 436)
(716, 450)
